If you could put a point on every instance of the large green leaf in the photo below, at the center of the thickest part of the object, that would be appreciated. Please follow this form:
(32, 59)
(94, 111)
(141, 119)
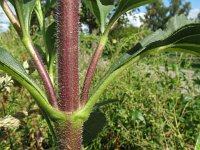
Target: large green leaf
(24, 9)
(100, 9)
(16, 70)
(13, 67)
(180, 35)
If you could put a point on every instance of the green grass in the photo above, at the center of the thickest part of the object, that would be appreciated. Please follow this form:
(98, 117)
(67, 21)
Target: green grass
(171, 111)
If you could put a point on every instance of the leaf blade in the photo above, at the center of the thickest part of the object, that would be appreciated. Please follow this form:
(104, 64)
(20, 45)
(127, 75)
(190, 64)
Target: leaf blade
(181, 39)
(51, 40)
(24, 9)
(11, 66)
(100, 9)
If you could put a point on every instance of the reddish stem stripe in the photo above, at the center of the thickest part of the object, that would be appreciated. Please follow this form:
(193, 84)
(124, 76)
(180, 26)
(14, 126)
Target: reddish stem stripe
(68, 79)
(90, 74)
(44, 75)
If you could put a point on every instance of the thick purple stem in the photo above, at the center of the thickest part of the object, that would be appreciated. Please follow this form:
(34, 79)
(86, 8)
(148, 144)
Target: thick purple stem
(70, 137)
(68, 79)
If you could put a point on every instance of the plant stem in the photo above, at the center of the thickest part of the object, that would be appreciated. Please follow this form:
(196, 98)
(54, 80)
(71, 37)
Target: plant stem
(42, 71)
(29, 45)
(51, 129)
(88, 108)
(41, 20)
(11, 16)
(70, 136)
(68, 77)
(91, 69)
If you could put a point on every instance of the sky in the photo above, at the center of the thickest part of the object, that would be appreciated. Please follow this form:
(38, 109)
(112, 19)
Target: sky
(4, 21)
(195, 4)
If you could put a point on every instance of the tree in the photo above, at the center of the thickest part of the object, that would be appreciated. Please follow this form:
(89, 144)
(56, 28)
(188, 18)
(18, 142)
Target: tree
(178, 7)
(198, 17)
(158, 14)
(88, 18)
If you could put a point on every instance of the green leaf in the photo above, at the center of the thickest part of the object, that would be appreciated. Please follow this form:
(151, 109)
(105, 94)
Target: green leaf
(100, 9)
(16, 70)
(138, 115)
(49, 4)
(93, 126)
(180, 35)
(24, 9)
(51, 40)
(39, 13)
(197, 146)
(126, 5)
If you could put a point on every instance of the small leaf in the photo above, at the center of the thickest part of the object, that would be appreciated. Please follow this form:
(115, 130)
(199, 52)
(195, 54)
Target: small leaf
(197, 146)
(138, 115)
(24, 9)
(100, 9)
(51, 40)
(93, 126)
(48, 4)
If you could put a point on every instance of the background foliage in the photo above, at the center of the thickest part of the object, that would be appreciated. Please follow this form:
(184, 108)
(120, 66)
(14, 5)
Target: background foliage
(155, 105)
(158, 14)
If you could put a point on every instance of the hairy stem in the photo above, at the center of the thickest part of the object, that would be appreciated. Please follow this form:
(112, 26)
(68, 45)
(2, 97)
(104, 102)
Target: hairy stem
(11, 16)
(70, 136)
(91, 70)
(68, 77)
